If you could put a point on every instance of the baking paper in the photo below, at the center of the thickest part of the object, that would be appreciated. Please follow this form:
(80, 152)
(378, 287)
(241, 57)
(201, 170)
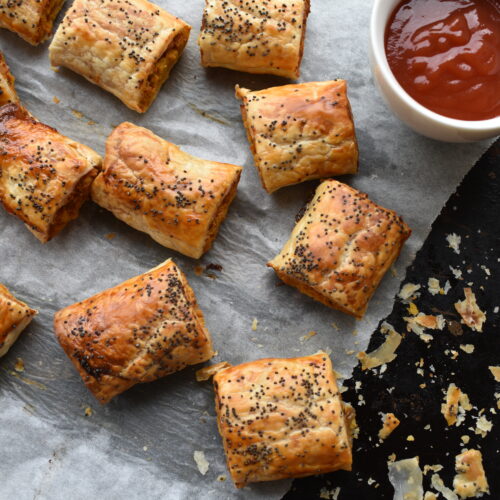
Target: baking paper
(57, 442)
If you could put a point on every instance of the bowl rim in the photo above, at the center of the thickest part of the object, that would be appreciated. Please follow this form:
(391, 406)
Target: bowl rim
(377, 41)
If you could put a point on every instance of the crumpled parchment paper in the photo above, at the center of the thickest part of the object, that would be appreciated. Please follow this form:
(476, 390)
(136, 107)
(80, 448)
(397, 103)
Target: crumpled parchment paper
(141, 445)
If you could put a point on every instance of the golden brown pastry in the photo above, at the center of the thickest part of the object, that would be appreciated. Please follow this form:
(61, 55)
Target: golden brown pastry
(256, 37)
(44, 177)
(341, 248)
(153, 186)
(7, 90)
(127, 47)
(282, 418)
(32, 20)
(300, 132)
(15, 316)
(141, 330)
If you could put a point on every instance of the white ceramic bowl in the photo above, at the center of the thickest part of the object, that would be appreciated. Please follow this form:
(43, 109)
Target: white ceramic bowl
(419, 118)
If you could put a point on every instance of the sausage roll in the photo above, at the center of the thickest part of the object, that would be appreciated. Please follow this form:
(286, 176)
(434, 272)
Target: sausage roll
(282, 418)
(255, 37)
(300, 132)
(7, 90)
(32, 20)
(126, 47)
(44, 177)
(15, 316)
(147, 327)
(341, 248)
(153, 186)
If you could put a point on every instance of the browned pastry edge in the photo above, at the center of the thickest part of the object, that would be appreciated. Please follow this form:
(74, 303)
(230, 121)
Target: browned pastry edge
(156, 80)
(11, 328)
(307, 10)
(311, 292)
(220, 215)
(8, 94)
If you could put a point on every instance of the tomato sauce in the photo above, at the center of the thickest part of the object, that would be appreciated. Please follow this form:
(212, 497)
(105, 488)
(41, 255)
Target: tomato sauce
(446, 55)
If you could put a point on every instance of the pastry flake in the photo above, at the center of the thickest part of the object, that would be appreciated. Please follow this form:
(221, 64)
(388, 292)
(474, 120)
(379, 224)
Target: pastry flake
(153, 186)
(300, 132)
(255, 37)
(127, 47)
(145, 328)
(44, 176)
(470, 481)
(32, 20)
(15, 316)
(341, 248)
(7, 90)
(282, 418)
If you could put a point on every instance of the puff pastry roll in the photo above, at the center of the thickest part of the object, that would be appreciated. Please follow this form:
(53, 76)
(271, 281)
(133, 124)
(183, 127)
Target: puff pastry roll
(32, 20)
(300, 132)
(153, 186)
(147, 327)
(15, 316)
(282, 418)
(44, 177)
(341, 248)
(7, 91)
(256, 37)
(126, 47)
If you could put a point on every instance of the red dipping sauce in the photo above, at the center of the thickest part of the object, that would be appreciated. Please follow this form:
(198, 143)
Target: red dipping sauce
(446, 55)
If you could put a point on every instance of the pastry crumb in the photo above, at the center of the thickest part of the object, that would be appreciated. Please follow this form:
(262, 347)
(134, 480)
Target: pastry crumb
(457, 403)
(389, 423)
(307, 336)
(470, 312)
(433, 468)
(222, 478)
(454, 241)
(56, 100)
(201, 462)
(19, 366)
(495, 371)
(328, 494)
(409, 291)
(406, 478)
(383, 354)
(468, 348)
(110, 236)
(77, 113)
(438, 485)
(255, 324)
(470, 480)
(483, 426)
(198, 270)
(206, 373)
(88, 411)
(465, 439)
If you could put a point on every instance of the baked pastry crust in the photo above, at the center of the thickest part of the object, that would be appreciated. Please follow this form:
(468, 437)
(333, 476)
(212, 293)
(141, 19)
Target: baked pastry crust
(300, 132)
(176, 198)
(255, 37)
(282, 418)
(126, 47)
(341, 248)
(145, 328)
(44, 176)
(15, 316)
(32, 20)
(7, 90)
